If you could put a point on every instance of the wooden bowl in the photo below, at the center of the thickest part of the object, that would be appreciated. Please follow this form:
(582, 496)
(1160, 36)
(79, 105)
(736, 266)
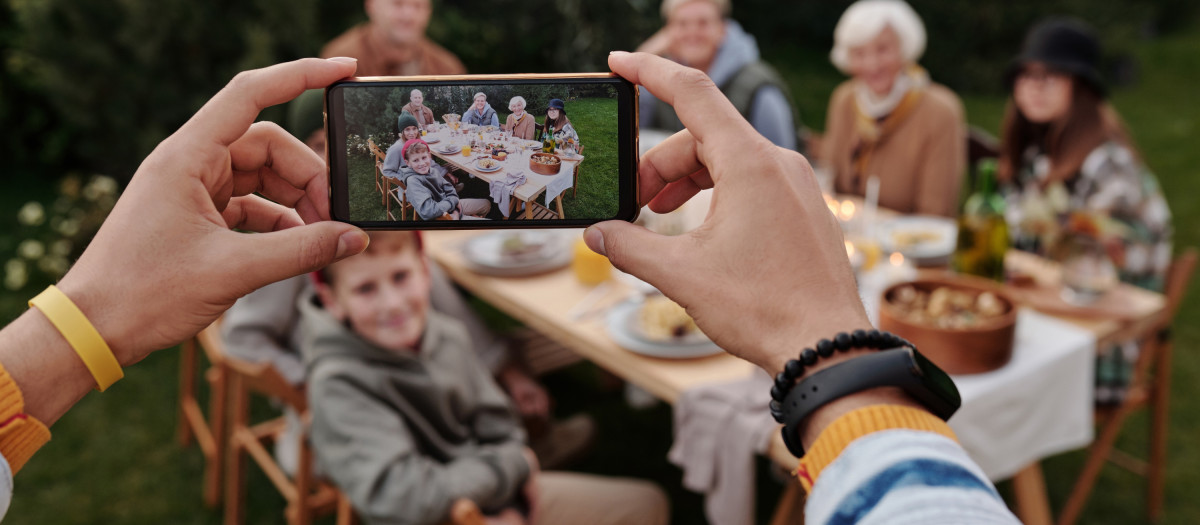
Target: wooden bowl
(983, 347)
(544, 169)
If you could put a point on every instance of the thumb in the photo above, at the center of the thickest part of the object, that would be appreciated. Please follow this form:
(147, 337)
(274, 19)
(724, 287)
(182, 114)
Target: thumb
(294, 251)
(635, 250)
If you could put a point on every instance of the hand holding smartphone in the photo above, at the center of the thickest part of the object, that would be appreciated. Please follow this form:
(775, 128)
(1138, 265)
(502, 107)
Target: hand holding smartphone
(498, 151)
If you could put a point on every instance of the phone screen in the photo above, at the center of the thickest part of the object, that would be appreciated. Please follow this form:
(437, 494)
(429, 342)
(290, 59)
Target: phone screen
(482, 152)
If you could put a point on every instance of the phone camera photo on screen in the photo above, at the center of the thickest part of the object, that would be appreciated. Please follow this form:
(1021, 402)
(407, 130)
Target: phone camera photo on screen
(495, 151)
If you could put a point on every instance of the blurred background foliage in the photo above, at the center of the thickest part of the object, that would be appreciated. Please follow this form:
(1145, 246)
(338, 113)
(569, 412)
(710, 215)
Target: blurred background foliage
(374, 112)
(94, 85)
(91, 86)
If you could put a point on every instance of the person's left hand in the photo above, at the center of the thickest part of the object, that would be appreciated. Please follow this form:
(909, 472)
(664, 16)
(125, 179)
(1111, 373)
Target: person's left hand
(531, 399)
(165, 263)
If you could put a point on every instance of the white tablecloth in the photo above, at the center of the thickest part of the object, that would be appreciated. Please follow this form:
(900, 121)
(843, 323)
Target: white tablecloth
(1036, 406)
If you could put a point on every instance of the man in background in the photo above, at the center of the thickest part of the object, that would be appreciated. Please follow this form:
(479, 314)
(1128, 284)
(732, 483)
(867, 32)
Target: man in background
(393, 42)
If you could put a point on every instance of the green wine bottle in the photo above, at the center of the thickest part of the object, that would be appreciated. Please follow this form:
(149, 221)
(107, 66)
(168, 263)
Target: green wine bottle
(547, 142)
(982, 230)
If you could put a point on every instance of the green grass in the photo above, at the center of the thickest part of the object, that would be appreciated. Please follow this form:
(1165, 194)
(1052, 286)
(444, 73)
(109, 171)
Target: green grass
(114, 458)
(595, 197)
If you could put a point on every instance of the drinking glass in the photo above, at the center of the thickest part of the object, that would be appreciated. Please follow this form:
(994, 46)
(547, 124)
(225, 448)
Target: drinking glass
(1087, 271)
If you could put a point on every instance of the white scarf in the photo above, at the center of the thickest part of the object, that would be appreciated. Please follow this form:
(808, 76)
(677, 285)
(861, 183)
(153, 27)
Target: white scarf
(879, 107)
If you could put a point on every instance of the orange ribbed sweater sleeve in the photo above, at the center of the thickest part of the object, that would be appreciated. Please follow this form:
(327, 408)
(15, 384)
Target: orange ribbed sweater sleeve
(20, 434)
(858, 423)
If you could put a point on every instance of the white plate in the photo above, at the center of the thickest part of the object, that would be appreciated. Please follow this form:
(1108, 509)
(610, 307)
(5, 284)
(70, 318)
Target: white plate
(449, 151)
(482, 253)
(497, 167)
(943, 230)
(431, 140)
(621, 322)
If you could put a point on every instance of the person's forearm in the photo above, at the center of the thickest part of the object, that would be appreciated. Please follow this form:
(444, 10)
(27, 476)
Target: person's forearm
(50, 375)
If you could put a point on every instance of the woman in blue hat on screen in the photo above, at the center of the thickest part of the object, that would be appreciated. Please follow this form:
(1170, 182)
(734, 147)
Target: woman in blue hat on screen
(557, 124)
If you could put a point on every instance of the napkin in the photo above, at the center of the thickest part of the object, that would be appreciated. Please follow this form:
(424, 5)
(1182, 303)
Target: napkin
(501, 190)
(719, 430)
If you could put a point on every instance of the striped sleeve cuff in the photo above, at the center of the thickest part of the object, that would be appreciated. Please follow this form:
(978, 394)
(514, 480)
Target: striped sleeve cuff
(20, 434)
(858, 423)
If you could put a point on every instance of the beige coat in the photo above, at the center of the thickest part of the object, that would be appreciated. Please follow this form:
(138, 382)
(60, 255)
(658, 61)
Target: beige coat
(523, 129)
(920, 163)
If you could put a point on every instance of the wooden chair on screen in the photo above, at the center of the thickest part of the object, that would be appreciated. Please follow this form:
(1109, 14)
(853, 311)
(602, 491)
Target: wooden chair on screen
(397, 194)
(1150, 386)
(381, 182)
(575, 181)
(210, 432)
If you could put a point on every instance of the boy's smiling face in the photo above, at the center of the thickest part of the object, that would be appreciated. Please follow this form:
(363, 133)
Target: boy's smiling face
(420, 161)
(383, 293)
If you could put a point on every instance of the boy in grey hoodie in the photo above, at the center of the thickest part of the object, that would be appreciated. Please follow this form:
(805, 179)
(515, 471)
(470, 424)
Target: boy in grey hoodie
(432, 195)
(406, 420)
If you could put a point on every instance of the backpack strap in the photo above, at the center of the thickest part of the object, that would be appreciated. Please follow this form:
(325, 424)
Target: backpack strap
(742, 90)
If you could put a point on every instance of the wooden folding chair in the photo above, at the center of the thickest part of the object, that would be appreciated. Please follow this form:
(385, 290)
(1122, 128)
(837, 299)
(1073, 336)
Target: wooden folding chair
(306, 496)
(575, 181)
(209, 432)
(1144, 389)
(381, 182)
(397, 194)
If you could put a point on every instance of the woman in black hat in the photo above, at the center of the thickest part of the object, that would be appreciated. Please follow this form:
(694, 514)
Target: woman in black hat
(557, 124)
(1069, 163)
(1075, 182)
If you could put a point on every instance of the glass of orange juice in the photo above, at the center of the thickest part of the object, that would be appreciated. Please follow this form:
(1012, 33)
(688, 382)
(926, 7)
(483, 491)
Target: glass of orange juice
(466, 151)
(590, 267)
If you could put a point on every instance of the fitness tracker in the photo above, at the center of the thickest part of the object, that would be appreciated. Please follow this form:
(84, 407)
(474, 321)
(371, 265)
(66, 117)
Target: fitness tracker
(901, 367)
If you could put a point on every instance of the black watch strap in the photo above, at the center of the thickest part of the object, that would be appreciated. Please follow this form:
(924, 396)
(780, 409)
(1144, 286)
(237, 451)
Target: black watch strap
(898, 367)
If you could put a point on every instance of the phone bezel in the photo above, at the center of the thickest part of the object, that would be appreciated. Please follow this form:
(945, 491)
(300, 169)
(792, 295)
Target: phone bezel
(627, 145)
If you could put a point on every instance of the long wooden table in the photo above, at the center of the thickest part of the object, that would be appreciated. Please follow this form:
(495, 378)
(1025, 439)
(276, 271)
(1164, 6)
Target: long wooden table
(535, 184)
(544, 302)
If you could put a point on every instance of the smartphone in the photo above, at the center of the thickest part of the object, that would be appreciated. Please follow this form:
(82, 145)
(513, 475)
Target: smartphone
(482, 151)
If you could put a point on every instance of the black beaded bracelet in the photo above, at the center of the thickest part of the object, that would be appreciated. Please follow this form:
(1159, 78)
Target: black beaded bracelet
(793, 369)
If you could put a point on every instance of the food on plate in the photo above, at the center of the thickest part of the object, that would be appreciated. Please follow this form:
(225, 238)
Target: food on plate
(947, 307)
(488, 164)
(520, 248)
(662, 319)
(500, 156)
(907, 239)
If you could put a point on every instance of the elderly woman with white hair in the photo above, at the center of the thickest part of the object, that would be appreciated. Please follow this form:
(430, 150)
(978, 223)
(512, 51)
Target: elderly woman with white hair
(520, 123)
(889, 120)
(700, 34)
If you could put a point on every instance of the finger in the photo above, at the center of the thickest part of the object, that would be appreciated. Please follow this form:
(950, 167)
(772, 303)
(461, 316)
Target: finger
(636, 250)
(668, 161)
(701, 107)
(270, 161)
(680, 191)
(256, 214)
(226, 117)
(279, 255)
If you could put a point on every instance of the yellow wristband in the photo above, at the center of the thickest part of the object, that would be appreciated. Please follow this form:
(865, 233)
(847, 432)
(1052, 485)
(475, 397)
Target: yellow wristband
(80, 334)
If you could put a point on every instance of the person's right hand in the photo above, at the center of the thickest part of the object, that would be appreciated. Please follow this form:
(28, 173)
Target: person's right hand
(165, 263)
(767, 272)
